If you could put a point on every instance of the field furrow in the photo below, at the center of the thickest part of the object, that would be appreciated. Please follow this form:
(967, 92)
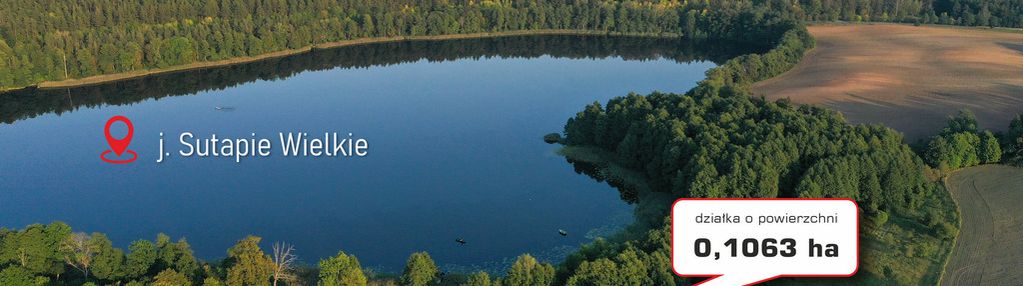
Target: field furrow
(989, 250)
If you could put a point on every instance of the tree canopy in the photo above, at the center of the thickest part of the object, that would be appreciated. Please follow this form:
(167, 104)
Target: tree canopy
(713, 141)
(1013, 143)
(341, 270)
(420, 270)
(526, 271)
(74, 39)
(962, 145)
(248, 265)
(60, 40)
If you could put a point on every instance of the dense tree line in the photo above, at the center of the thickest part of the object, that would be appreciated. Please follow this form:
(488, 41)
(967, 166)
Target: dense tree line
(962, 144)
(718, 141)
(1012, 143)
(31, 102)
(54, 255)
(994, 13)
(55, 40)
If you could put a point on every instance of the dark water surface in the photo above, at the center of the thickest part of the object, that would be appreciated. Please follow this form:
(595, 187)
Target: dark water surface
(455, 150)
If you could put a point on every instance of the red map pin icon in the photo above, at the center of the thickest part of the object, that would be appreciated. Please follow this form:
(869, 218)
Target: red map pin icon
(119, 145)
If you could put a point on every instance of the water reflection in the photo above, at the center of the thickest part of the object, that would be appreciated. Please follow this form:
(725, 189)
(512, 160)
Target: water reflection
(32, 102)
(456, 127)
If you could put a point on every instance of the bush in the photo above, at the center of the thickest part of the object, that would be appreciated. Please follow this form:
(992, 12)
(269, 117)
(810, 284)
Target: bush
(961, 145)
(880, 218)
(552, 138)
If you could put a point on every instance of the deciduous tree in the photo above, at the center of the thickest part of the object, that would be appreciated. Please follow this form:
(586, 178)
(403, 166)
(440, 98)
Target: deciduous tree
(249, 266)
(419, 270)
(341, 270)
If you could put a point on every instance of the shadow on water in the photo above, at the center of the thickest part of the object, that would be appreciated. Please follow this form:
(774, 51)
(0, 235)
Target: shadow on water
(628, 194)
(652, 203)
(32, 102)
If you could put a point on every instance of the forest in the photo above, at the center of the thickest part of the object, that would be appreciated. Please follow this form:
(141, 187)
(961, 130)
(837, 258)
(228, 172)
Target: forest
(56, 40)
(719, 141)
(31, 102)
(55, 255)
(713, 141)
(988, 13)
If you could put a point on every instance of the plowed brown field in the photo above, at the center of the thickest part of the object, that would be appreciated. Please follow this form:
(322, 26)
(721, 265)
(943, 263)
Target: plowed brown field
(908, 78)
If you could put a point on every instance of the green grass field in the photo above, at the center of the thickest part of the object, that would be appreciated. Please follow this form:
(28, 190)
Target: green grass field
(989, 250)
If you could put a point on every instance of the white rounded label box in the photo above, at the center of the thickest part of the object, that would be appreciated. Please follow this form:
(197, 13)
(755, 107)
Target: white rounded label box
(749, 241)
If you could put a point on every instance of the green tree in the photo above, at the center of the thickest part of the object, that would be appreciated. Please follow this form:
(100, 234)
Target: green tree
(36, 248)
(1012, 143)
(984, 16)
(964, 122)
(130, 58)
(990, 151)
(15, 275)
(170, 277)
(1014, 152)
(600, 272)
(249, 266)
(86, 62)
(880, 218)
(945, 230)
(1015, 128)
(419, 270)
(629, 267)
(633, 268)
(936, 152)
(341, 270)
(478, 279)
(964, 150)
(108, 263)
(176, 255)
(212, 281)
(141, 258)
(108, 58)
(179, 51)
(527, 271)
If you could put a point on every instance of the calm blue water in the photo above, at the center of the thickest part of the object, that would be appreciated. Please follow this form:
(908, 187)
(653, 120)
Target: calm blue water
(455, 152)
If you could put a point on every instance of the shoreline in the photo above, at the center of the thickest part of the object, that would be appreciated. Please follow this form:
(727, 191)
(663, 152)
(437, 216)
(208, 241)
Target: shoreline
(107, 78)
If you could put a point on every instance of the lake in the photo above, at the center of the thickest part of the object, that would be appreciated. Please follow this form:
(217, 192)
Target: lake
(455, 149)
